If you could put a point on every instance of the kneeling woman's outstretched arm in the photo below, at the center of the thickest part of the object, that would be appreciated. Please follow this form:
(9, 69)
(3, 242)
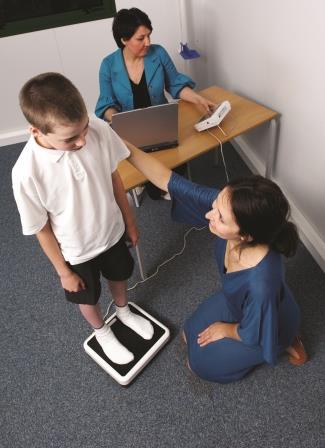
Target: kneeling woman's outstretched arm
(152, 168)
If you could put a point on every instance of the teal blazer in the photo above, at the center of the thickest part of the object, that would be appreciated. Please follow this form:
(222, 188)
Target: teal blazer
(161, 73)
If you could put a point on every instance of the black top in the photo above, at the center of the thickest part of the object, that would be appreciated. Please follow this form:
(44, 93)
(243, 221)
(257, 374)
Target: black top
(140, 92)
(141, 99)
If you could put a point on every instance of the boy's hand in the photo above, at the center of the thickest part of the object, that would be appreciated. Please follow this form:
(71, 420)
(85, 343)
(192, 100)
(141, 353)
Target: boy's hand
(72, 282)
(132, 233)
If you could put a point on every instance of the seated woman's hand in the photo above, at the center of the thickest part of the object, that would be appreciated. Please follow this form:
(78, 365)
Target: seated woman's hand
(205, 105)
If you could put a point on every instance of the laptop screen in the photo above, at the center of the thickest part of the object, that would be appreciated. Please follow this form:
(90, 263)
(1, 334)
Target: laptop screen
(151, 129)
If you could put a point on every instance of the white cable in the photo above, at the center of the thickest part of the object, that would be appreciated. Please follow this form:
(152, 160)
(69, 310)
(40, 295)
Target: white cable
(169, 259)
(224, 163)
(224, 133)
(221, 150)
(108, 308)
(159, 266)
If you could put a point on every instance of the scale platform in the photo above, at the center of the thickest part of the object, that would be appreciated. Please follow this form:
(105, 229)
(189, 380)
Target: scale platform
(142, 349)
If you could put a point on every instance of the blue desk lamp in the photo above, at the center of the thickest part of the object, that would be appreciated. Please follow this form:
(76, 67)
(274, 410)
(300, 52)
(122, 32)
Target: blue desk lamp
(188, 53)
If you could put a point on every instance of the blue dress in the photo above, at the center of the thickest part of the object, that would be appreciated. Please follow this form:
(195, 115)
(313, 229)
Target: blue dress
(257, 298)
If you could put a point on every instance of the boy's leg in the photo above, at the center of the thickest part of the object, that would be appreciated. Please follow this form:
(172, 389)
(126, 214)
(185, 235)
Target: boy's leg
(87, 299)
(112, 348)
(118, 291)
(92, 314)
(137, 323)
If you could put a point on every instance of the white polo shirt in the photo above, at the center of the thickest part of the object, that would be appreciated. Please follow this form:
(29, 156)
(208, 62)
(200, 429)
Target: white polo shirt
(73, 189)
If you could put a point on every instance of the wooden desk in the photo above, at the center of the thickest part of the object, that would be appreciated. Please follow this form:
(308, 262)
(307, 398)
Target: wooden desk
(244, 115)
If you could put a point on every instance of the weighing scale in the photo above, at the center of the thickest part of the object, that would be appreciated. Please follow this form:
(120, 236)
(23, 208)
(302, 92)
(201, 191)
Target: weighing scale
(142, 349)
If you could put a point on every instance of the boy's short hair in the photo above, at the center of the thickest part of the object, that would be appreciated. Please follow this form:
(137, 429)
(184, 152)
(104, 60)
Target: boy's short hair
(50, 98)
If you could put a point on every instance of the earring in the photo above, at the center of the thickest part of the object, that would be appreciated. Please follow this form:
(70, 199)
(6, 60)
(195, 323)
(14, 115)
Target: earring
(242, 238)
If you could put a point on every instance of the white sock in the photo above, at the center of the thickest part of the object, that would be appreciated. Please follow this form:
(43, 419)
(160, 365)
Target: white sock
(137, 323)
(112, 348)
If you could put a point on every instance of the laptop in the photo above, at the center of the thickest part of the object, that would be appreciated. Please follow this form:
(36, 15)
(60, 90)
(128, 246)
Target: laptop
(151, 129)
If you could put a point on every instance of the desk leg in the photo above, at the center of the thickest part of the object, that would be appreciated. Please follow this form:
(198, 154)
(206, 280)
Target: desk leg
(274, 140)
(137, 251)
(135, 198)
(188, 168)
(216, 156)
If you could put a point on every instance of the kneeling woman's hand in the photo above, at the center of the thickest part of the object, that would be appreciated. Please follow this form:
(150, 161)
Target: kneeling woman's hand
(216, 331)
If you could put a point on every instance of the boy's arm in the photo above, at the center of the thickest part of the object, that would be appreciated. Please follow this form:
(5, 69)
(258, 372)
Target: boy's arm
(123, 203)
(69, 280)
(152, 168)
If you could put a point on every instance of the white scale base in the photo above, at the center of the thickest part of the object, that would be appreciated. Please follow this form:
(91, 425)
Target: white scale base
(142, 349)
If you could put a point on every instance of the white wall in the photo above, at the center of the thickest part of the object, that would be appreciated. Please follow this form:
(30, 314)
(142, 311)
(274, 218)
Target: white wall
(272, 52)
(75, 51)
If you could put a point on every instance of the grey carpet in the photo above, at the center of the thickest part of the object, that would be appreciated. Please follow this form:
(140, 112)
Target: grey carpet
(53, 395)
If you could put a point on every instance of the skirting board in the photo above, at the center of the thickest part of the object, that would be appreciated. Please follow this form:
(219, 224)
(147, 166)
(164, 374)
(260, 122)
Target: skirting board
(310, 238)
(10, 138)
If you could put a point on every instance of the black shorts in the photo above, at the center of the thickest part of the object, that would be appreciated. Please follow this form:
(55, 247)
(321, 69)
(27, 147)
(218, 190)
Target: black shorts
(115, 264)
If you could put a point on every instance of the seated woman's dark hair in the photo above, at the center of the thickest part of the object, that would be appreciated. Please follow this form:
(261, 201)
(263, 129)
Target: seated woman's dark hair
(262, 211)
(126, 22)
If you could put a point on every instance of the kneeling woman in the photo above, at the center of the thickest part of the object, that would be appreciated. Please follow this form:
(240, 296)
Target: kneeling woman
(254, 318)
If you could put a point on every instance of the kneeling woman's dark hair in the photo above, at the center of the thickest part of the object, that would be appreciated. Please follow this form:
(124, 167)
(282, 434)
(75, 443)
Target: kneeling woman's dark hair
(126, 22)
(262, 211)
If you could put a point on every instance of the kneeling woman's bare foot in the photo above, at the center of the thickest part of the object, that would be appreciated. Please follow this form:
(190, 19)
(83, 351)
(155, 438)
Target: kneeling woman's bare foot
(297, 352)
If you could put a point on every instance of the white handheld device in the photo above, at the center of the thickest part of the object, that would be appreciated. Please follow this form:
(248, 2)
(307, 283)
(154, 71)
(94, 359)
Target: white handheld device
(208, 121)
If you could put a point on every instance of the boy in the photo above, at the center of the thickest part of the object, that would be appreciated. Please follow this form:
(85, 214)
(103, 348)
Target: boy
(69, 193)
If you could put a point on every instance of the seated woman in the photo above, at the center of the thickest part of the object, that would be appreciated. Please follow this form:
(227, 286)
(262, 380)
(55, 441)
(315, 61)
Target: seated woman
(254, 318)
(137, 74)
